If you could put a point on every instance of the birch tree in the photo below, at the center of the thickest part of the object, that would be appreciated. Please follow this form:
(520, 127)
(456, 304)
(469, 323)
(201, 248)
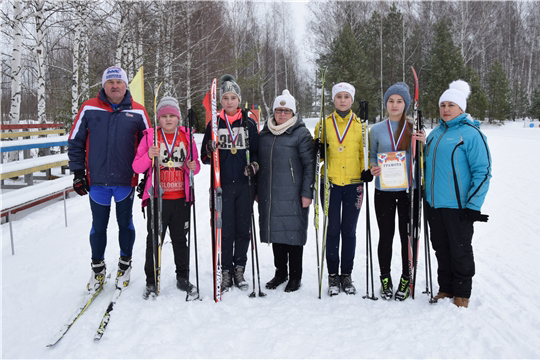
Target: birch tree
(16, 66)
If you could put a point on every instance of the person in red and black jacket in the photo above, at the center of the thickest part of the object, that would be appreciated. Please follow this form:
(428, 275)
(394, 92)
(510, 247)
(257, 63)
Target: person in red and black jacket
(234, 180)
(102, 145)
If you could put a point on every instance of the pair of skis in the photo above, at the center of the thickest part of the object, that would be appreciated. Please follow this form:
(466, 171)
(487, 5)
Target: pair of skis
(326, 183)
(85, 304)
(416, 198)
(216, 201)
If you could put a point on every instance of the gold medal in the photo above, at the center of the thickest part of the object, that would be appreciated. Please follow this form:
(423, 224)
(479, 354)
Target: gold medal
(233, 150)
(341, 148)
(170, 164)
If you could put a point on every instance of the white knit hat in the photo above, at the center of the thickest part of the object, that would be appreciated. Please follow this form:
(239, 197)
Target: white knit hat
(343, 86)
(285, 100)
(114, 72)
(458, 92)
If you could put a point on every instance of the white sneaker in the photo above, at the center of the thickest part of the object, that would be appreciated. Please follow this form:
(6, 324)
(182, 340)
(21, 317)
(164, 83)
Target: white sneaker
(97, 278)
(124, 272)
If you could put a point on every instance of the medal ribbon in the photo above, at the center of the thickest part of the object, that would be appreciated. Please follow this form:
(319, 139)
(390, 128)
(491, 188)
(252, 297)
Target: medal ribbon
(169, 151)
(233, 138)
(395, 145)
(340, 136)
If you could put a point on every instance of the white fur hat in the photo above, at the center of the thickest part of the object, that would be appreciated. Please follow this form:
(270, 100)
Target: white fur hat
(458, 92)
(285, 100)
(343, 86)
(114, 72)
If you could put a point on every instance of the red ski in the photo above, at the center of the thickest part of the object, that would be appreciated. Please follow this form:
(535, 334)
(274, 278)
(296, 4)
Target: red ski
(216, 200)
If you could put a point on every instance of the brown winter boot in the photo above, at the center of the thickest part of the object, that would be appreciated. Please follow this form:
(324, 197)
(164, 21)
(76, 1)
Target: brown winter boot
(461, 302)
(442, 295)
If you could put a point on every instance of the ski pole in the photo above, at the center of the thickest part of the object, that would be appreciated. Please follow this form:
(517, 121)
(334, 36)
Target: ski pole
(369, 255)
(190, 117)
(253, 235)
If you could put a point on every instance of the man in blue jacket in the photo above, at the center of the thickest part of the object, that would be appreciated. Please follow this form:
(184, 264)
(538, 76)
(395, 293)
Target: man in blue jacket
(102, 145)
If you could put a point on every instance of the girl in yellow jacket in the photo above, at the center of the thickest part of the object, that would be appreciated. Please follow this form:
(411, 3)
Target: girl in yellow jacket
(346, 173)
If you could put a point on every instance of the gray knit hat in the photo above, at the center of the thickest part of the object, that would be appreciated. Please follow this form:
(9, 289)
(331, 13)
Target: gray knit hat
(400, 89)
(168, 105)
(228, 85)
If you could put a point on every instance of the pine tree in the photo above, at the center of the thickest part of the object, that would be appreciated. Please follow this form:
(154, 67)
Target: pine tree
(347, 62)
(498, 91)
(477, 101)
(519, 104)
(534, 111)
(446, 65)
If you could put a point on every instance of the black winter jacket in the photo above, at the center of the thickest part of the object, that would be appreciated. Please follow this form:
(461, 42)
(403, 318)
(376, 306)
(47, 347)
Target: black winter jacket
(286, 174)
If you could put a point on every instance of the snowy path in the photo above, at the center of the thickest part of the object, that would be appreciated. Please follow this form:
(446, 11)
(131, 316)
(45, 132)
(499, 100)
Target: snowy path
(43, 282)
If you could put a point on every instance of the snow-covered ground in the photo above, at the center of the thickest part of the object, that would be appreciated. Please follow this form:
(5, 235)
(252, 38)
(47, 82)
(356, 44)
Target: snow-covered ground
(43, 283)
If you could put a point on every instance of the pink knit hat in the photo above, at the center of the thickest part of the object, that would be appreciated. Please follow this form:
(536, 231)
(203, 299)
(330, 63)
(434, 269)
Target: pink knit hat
(168, 105)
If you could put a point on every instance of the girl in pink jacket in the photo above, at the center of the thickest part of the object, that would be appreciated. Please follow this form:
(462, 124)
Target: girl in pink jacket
(172, 154)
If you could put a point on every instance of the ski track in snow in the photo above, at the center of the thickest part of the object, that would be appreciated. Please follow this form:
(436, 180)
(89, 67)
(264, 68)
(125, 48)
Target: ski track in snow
(43, 283)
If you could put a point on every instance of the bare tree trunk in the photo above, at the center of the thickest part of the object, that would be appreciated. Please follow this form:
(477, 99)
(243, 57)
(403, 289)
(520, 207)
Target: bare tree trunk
(75, 73)
(120, 39)
(15, 111)
(261, 84)
(531, 56)
(84, 56)
(40, 59)
(404, 40)
(130, 44)
(167, 56)
(382, 90)
(139, 58)
(189, 14)
(16, 64)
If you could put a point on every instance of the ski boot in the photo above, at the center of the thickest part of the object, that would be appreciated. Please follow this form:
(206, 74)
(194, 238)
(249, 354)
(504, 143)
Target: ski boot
(347, 284)
(124, 272)
(185, 285)
(403, 291)
(333, 284)
(226, 281)
(275, 282)
(149, 291)
(239, 280)
(97, 278)
(293, 285)
(387, 289)
(442, 295)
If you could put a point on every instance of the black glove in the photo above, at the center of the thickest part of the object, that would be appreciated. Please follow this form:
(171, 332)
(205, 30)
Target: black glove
(251, 169)
(366, 176)
(80, 184)
(140, 187)
(473, 215)
(211, 146)
(319, 146)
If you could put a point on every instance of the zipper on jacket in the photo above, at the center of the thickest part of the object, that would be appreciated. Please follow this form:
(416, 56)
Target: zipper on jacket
(270, 197)
(456, 184)
(292, 170)
(433, 166)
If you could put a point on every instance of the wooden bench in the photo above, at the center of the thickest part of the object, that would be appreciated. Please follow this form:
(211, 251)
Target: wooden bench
(29, 166)
(18, 200)
(46, 142)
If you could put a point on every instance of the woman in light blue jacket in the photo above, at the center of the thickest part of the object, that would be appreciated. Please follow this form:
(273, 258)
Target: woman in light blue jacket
(458, 171)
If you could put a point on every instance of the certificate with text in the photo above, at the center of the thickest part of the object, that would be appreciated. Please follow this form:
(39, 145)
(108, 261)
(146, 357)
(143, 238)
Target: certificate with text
(393, 170)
